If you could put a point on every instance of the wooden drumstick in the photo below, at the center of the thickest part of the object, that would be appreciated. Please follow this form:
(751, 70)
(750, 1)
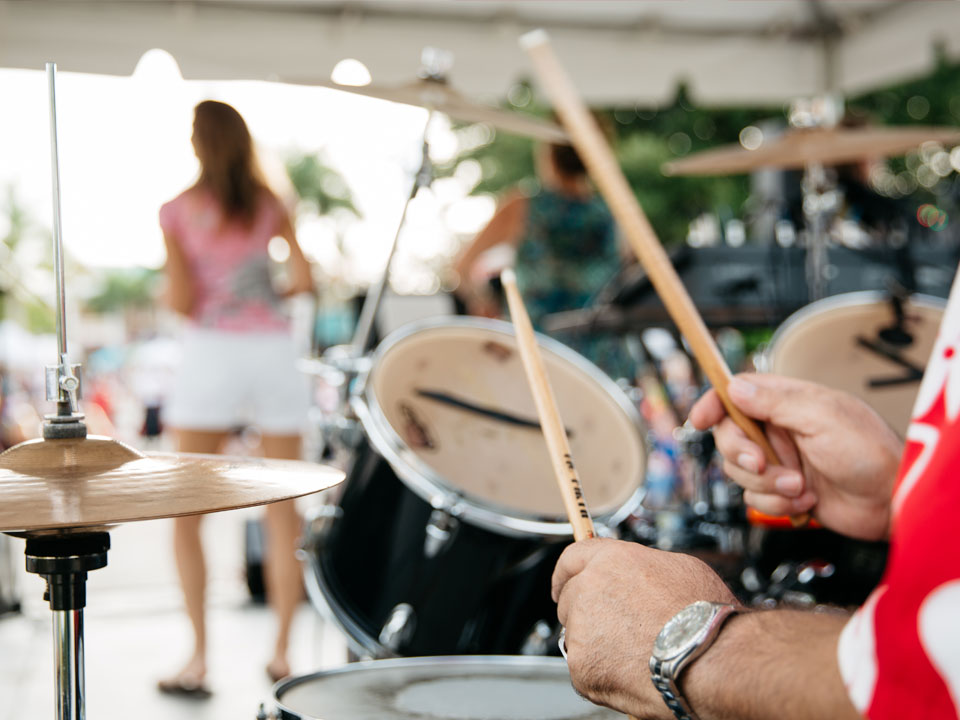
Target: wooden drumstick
(606, 173)
(553, 430)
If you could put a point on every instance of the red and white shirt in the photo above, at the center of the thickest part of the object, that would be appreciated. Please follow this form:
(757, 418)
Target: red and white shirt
(900, 653)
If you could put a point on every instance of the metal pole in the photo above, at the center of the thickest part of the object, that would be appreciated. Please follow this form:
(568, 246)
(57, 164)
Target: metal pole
(69, 664)
(57, 233)
(371, 305)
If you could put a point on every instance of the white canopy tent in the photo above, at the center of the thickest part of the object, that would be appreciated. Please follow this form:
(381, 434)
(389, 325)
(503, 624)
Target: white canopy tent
(619, 52)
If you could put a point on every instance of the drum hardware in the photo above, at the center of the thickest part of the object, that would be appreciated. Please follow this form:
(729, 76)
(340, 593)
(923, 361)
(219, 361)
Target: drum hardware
(439, 532)
(541, 639)
(788, 584)
(399, 627)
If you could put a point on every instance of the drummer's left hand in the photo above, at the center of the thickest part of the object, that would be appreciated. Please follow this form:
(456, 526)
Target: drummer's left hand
(613, 598)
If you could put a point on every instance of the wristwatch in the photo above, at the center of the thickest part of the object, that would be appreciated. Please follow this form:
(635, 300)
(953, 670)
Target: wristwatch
(683, 639)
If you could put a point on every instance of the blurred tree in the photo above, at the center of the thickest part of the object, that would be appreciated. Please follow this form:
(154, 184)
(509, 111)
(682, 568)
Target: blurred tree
(647, 137)
(25, 248)
(320, 185)
(124, 288)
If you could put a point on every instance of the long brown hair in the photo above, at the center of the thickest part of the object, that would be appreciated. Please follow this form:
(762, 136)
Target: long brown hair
(228, 164)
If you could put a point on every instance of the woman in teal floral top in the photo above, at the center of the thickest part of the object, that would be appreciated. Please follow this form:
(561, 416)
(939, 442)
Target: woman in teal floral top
(567, 250)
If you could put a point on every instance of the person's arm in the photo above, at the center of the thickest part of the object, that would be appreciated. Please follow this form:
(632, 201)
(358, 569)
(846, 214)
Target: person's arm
(614, 597)
(505, 227)
(179, 293)
(839, 457)
(298, 267)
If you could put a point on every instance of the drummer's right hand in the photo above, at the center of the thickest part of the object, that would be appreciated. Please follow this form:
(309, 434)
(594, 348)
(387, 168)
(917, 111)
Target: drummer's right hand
(839, 457)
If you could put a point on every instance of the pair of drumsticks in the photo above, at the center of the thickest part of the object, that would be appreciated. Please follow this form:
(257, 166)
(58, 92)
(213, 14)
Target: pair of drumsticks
(606, 173)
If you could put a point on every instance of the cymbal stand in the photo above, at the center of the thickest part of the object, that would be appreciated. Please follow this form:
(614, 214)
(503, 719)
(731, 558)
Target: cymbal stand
(63, 561)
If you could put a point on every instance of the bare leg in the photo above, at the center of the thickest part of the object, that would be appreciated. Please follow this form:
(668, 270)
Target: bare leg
(192, 569)
(282, 571)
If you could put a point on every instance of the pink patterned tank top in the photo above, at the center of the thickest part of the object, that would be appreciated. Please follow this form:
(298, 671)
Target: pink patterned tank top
(228, 262)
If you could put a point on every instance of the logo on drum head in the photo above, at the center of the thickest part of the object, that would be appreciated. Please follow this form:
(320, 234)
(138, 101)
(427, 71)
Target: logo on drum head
(500, 352)
(414, 431)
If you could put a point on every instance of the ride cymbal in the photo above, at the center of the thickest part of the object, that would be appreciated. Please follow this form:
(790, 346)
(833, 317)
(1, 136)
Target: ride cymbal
(798, 148)
(96, 481)
(439, 96)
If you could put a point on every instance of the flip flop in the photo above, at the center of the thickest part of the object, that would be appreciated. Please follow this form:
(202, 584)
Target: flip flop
(184, 687)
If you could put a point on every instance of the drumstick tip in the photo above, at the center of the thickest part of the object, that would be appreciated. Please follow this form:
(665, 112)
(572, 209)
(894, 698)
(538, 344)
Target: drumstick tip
(534, 38)
(508, 277)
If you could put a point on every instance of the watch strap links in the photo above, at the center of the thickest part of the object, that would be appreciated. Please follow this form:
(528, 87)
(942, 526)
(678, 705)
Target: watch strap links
(670, 693)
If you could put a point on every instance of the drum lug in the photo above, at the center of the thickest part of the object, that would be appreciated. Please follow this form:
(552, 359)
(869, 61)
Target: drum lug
(320, 520)
(399, 627)
(539, 640)
(439, 532)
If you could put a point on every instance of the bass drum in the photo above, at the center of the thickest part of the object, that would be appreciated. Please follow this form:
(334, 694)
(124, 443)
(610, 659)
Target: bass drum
(443, 688)
(864, 343)
(450, 520)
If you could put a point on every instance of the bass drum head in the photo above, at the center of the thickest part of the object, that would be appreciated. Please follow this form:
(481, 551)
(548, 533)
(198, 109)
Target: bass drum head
(448, 688)
(843, 342)
(455, 397)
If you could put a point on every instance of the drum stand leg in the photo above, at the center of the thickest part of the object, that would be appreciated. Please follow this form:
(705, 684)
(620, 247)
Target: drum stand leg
(63, 561)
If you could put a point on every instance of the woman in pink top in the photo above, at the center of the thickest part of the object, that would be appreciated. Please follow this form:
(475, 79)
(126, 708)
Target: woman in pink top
(238, 363)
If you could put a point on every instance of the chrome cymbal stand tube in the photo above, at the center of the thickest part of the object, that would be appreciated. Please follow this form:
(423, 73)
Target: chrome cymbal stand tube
(62, 379)
(63, 561)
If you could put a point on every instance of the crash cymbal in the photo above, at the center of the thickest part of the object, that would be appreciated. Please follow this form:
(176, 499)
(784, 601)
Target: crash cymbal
(438, 95)
(97, 481)
(799, 148)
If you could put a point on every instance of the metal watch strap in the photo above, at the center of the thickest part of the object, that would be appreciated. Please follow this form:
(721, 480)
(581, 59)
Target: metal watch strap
(670, 693)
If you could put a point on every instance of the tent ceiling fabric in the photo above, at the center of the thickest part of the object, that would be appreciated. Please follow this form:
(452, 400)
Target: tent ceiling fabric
(618, 52)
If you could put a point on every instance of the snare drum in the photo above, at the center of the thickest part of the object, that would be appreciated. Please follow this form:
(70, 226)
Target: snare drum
(854, 342)
(450, 520)
(444, 688)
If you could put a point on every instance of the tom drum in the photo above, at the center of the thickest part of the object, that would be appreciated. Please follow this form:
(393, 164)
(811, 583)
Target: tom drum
(450, 521)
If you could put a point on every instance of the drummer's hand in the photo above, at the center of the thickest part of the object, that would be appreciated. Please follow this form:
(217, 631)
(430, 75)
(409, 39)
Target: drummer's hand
(840, 458)
(613, 598)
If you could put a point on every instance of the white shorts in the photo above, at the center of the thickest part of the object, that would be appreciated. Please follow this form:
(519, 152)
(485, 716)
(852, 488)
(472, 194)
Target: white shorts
(229, 379)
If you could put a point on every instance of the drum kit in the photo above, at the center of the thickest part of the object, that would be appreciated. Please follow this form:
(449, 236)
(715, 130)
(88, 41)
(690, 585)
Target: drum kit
(444, 532)
(442, 540)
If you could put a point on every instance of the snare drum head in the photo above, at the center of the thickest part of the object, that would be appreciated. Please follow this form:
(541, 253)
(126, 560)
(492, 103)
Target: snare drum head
(840, 342)
(447, 688)
(457, 396)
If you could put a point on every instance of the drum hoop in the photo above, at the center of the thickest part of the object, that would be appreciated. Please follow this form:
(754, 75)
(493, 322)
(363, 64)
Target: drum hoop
(836, 302)
(429, 485)
(465, 661)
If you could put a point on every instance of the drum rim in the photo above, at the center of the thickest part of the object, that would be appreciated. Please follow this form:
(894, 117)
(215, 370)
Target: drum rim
(430, 486)
(836, 302)
(465, 661)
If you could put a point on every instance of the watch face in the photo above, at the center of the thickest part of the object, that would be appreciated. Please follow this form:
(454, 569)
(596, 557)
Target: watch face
(682, 629)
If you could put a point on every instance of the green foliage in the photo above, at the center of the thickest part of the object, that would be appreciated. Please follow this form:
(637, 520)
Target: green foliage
(320, 185)
(124, 288)
(643, 139)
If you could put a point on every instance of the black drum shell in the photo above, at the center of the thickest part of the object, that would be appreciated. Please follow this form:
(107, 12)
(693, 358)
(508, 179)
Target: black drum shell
(482, 593)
